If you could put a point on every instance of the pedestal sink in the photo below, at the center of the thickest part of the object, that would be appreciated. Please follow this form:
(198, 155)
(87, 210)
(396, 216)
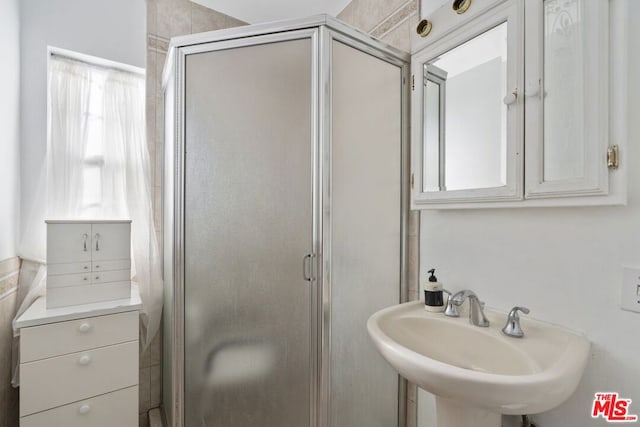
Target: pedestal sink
(478, 374)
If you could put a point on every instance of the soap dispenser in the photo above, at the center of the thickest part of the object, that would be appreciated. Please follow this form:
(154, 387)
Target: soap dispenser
(433, 294)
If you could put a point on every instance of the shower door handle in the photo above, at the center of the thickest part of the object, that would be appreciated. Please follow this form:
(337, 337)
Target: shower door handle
(307, 267)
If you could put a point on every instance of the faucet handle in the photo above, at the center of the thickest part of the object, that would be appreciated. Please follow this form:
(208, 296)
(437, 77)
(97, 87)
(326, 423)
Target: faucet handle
(451, 310)
(512, 327)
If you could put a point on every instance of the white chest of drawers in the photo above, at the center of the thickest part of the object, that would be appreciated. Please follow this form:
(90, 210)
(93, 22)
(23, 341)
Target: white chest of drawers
(87, 261)
(79, 364)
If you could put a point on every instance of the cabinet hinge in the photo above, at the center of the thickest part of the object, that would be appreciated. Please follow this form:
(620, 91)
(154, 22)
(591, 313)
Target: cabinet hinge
(412, 180)
(413, 82)
(613, 157)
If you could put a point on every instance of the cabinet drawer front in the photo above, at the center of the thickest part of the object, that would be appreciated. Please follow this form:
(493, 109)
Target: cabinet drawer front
(121, 264)
(110, 276)
(68, 243)
(57, 381)
(68, 268)
(96, 292)
(62, 280)
(56, 339)
(119, 408)
(111, 241)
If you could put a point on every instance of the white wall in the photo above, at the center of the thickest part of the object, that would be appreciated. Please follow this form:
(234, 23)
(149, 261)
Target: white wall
(113, 29)
(565, 264)
(9, 126)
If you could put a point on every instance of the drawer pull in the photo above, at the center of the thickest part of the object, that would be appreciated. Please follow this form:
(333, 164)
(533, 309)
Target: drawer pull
(97, 237)
(85, 327)
(84, 360)
(84, 409)
(86, 267)
(85, 278)
(97, 277)
(85, 236)
(97, 266)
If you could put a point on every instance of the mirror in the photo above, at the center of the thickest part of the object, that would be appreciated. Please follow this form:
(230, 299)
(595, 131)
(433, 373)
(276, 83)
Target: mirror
(465, 115)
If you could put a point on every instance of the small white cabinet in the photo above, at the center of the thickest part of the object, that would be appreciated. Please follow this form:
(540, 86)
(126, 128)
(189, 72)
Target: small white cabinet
(87, 261)
(79, 365)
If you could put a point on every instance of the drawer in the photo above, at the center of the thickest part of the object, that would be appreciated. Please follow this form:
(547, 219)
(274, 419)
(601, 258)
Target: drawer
(119, 408)
(56, 339)
(62, 280)
(57, 381)
(76, 295)
(121, 264)
(110, 276)
(68, 268)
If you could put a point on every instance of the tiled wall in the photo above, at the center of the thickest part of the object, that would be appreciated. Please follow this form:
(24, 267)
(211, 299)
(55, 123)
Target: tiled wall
(393, 21)
(9, 271)
(165, 19)
(389, 20)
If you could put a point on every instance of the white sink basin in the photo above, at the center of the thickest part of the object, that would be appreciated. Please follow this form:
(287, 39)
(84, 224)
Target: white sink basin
(479, 373)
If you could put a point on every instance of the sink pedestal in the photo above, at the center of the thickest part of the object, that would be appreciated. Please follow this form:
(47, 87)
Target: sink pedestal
(455, 414)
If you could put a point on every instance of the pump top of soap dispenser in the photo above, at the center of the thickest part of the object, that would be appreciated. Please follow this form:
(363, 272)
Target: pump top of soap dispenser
(433, 284)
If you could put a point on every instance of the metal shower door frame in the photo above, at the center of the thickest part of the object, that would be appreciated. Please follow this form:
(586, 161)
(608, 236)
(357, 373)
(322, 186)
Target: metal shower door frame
(322, 30)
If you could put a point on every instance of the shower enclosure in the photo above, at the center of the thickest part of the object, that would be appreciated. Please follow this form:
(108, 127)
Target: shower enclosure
(284, 224)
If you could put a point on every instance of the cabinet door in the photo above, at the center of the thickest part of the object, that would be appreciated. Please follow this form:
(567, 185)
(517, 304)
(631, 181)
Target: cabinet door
(467, 137)
(68, 243)
(566, 98)
(111, 241)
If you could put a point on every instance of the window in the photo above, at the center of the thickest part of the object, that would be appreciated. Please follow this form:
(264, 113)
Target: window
(96, 114)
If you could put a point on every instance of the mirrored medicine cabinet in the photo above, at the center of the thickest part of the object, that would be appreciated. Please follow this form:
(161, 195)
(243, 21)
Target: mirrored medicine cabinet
(510, 106)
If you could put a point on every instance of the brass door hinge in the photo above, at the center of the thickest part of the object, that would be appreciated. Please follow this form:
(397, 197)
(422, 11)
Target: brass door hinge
(413, 82)
(412, 180)
(613, 157)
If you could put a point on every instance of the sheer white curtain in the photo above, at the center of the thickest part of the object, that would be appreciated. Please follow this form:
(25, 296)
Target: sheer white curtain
(126, 185)
(98, 167)
(70, 84)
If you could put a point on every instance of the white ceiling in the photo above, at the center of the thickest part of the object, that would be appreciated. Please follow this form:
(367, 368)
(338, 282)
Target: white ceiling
(255, 11)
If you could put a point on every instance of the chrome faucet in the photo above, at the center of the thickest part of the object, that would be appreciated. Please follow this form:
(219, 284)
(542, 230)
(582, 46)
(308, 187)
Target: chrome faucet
(512, 328)
(476, 314)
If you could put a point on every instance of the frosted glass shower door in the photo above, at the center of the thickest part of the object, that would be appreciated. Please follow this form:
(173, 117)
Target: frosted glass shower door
(248, 227)
(366, 232)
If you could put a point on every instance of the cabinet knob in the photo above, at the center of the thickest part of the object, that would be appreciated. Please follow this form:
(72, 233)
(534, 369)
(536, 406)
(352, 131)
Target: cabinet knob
(84, 360)
(85, 278)
(84, 409)
(97, 277)
(510, 98)
(97, 266)
(86, 267)
(85, 327)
